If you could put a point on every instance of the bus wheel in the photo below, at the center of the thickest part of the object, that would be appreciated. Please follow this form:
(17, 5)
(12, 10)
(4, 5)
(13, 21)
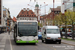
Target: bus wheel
(34, 43)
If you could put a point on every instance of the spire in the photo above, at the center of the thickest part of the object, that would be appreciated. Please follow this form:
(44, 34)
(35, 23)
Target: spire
(36, 4)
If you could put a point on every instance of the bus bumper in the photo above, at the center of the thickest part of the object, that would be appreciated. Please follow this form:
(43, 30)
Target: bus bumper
(27, 41)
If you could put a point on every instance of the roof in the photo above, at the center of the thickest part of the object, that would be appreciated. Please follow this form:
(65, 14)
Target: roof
(27, 21)
(14, 19)
(50, 15)
(26, 13)
(55, 9)
(51, 27)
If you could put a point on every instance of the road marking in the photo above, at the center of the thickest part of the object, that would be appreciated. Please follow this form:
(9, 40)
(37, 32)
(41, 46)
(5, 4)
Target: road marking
(68, 44)
(2, 46)
(10, 43)
(49, 46)
(2, 43)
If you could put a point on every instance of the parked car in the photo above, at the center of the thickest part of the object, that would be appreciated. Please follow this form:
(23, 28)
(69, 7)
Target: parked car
(69, 34)
(63, 33)
(39, 35)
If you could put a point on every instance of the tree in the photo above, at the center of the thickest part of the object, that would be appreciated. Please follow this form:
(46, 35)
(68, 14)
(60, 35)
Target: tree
(71, 18)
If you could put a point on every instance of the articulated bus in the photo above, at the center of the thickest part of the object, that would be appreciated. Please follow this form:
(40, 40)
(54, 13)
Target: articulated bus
(25, 31)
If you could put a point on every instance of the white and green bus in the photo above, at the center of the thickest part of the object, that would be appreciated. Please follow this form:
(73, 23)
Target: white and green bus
(25, 31)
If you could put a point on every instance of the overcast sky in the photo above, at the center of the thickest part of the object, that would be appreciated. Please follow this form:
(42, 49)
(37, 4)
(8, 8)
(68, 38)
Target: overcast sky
(15, 6)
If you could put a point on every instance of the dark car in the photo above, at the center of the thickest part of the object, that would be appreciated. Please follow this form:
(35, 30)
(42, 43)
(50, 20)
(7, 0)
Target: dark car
(39, 35)
(69, 34)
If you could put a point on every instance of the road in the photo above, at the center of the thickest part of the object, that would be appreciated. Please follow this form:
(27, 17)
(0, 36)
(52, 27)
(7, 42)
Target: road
(7, 43)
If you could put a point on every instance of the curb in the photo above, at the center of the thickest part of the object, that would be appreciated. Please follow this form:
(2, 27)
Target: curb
(68, 43)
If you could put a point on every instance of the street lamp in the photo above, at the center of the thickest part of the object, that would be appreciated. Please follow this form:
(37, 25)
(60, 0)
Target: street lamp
(53, 10)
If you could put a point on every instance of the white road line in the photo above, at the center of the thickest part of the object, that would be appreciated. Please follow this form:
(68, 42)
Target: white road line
(2, 46)
(10, 43)
(1, 49)
(2, 43)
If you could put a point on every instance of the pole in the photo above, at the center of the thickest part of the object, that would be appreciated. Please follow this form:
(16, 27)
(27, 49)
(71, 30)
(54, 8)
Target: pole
(65, 28)
(53, 11)
(73, 31)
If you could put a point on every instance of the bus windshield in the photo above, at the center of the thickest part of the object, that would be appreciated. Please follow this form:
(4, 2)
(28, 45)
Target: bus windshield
(55, 31)
(27, 28)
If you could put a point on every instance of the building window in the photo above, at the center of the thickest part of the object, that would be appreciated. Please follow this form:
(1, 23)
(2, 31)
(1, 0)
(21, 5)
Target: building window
(27, 15)
(22, 12)
(25, 18)
(55, 12)
(31, 12)
(20, 18)
(34, 15)
(27, 12)
(50, 15)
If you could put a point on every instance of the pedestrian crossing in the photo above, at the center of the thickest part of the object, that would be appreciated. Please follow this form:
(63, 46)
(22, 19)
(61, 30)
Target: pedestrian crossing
(3, 37)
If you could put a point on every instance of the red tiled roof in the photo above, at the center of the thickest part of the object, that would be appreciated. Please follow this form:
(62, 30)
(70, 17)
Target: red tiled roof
(26, 13)
(50, 15)
(14, 19)
(55, 9)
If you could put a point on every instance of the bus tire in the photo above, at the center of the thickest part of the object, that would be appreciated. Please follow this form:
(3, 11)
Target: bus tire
(34, 43)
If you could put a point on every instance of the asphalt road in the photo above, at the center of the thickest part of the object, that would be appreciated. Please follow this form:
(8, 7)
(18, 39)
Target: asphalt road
(7, 43)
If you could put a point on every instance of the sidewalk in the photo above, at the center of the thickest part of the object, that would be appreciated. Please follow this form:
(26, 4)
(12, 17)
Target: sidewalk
(68, 42)
(3, 37)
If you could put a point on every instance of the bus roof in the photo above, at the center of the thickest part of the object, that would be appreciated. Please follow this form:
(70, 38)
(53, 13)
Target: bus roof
(51, 27)
(27, 21)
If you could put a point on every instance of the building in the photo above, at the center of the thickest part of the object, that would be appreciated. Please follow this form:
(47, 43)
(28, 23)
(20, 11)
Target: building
(48, 19)
(6, 18)
(56, 10)
(13, 21)
(2, 26)
(67, 5)
(36, 9)
(0, 11)
(26, 14)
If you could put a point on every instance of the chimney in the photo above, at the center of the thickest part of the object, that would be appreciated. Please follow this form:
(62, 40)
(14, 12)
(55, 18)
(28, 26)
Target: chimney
(24, 9)
(27, 9)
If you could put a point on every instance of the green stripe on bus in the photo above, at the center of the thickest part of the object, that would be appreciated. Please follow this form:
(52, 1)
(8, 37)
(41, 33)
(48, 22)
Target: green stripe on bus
(26, 41)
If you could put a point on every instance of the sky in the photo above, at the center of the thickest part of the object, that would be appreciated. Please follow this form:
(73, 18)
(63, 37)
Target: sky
(15, 6)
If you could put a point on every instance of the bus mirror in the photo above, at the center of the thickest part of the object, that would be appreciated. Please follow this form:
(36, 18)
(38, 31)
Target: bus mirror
(44, 32)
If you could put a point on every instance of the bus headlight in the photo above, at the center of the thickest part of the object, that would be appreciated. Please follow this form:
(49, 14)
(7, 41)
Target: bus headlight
(18, 39)
(35, 39)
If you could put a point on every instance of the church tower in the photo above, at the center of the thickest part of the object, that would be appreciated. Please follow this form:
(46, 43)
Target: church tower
(37, 10)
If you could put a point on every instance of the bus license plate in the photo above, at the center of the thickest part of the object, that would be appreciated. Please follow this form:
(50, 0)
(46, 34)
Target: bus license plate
(27, 42)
